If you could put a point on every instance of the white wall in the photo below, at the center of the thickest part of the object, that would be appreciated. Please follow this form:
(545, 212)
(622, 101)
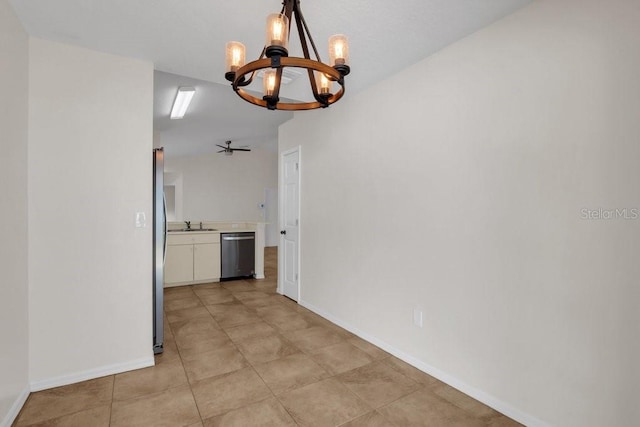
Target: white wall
(90, 171)
(216, 187)
(14, 333)
(457, 187)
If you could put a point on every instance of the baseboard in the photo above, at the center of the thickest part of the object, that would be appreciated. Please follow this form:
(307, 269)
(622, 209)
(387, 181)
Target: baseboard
(15, 408)
(92, 374)
(487, 399)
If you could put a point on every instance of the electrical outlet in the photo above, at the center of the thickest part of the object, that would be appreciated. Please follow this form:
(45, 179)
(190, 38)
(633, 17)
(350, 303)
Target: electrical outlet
(417, 317)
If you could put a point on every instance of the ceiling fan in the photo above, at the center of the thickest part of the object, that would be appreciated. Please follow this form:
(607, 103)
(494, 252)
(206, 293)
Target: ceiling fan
(228, 150)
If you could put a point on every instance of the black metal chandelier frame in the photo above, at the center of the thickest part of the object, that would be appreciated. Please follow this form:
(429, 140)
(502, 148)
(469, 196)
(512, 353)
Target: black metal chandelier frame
(276, 57)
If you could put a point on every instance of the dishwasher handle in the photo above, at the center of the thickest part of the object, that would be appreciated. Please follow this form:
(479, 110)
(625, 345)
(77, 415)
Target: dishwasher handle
(238, 238)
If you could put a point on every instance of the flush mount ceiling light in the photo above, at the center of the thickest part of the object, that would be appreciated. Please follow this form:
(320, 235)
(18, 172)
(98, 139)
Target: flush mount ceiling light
(275, 58)
(182, 101)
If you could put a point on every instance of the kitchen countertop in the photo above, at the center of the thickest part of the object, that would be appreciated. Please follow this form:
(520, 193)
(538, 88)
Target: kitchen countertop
(217, 230)
(218, 226)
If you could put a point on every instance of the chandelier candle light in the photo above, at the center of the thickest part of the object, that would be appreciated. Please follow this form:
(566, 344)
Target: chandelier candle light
(275, 57)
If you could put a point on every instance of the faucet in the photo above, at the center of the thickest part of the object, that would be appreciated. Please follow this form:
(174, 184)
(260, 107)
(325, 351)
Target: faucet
(188, 225)
(200, 225)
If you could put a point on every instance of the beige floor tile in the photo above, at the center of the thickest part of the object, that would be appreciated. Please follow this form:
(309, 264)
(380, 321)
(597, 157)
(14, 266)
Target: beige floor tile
(182, 303)
(324, 403)
(423, 408)
(289, 322)
(203, 286)
(321, 321)
(313, 338)
(202, 342)
(266, 348)
(290, 372)
(341, 357)
(268, 413)
(238, 286)
(167, 326)
(213, 363)
(183, 328)
(268, 287)
(233, 315)
(371, 419)
(187, 313)
(216, 296)
(150, 380)
(256, 303)
(218, 395)
(226, 308)
(59, 401)
(411, 372)
(250, 330)
(174, 407)
(249, 295)
(378, 384)
(210, 290)
(465, 402)
(292, 305)
(273, 311)
(368, 348)
(177, 292)
(96, 417)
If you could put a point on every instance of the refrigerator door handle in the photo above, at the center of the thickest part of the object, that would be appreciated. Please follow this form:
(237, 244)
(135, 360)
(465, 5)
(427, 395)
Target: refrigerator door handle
(165, 224)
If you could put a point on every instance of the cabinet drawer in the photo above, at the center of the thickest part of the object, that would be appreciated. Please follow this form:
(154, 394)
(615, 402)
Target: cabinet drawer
(191, 238)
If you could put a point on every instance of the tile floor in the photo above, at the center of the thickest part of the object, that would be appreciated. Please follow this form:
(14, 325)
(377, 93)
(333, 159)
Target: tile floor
(238, 354)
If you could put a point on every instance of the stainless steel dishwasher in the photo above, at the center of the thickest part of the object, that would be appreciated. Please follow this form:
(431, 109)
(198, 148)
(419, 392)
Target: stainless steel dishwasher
(238, 254)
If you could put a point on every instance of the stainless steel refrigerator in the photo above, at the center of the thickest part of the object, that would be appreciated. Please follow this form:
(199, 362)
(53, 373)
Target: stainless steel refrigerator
(159, 248)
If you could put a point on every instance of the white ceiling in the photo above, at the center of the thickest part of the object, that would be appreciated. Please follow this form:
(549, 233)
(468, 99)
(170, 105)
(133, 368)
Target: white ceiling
(216, 114)
(187, 40)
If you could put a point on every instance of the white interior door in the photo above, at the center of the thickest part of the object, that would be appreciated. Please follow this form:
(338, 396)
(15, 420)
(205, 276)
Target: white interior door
(289, 223)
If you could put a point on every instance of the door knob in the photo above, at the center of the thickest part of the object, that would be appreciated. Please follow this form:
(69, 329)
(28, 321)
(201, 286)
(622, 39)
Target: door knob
(283, 232)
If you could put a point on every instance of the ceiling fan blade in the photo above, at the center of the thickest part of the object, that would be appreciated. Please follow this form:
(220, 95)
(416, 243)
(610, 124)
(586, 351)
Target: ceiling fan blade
(221, 151)
(240, 149)
(221, 146)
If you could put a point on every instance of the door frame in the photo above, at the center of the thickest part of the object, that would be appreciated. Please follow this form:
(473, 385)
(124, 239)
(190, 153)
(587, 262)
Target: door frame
(281, 196)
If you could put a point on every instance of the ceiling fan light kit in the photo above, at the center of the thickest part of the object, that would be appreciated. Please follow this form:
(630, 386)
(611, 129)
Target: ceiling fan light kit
(275, 58)
(228, 150)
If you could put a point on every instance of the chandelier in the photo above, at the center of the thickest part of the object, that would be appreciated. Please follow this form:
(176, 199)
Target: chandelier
(275, 57)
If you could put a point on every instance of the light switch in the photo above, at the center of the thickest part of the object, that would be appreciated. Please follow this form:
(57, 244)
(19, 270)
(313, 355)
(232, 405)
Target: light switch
(417, 317)
(141, 220)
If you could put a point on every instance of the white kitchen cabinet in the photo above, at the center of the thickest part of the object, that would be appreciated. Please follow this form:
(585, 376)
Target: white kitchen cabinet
(178, 266)
(203, 268)
(192, 257)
